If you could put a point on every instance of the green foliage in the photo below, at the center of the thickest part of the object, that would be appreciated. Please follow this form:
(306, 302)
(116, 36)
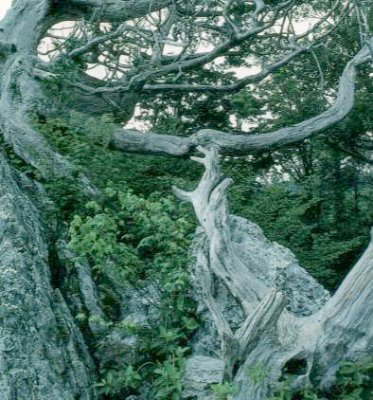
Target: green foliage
(134, 233)
(130, 231)
(84, 141)
(17, 162)
(133, 240)
(257, 373)
(168, 384)
(67, 196)
(284, 391)
(319, 216)
(354, 382)
(224, 391)
(115, 380)
(246, 105)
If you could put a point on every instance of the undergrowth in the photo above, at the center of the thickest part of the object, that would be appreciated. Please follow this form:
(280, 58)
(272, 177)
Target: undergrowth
(134, 235)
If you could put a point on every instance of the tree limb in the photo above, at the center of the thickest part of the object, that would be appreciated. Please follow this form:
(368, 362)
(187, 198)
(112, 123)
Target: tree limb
(113, 11)
(241, 83)
(244, 144)
(137, 142)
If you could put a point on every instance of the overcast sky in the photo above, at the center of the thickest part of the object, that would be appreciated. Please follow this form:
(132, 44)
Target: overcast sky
(5, 4)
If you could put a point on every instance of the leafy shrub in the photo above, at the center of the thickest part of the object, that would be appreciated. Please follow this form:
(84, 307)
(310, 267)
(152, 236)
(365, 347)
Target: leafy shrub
(224, 391)
(130, 239)
(354, 382)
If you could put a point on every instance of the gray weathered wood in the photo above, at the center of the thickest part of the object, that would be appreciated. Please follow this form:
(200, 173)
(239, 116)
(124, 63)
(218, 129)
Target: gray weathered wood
(272, 329)
(279, 312)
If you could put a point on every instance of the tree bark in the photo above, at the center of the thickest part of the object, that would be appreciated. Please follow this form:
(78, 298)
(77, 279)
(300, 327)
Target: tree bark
(280, 313)
(43, 354)
(285, 316)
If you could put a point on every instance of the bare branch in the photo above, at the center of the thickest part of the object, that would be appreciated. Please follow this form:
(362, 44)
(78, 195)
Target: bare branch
(136, 142)
(323, 19)
(243, 144)
(344, 102)
(241, 83)
(101, 39)
(259, 7)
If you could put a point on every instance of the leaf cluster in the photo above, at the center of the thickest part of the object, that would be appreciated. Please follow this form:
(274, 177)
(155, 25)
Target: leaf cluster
(133, 241)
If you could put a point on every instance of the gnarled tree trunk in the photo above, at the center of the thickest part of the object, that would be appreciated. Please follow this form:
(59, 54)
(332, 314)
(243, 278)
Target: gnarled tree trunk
(43, 354)
(261, 311)
(268, 312)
